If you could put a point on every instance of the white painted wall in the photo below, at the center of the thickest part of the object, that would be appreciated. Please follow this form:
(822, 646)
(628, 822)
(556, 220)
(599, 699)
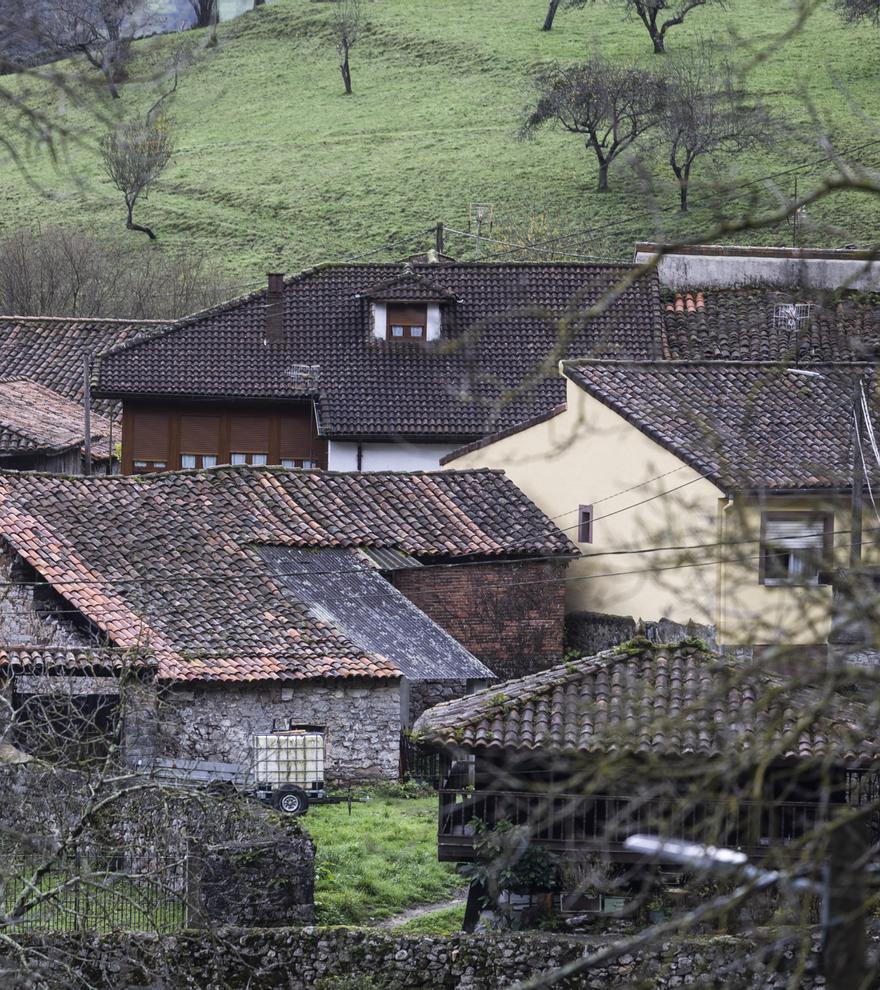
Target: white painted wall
(342, 456)
(684, 272)
(380, 320)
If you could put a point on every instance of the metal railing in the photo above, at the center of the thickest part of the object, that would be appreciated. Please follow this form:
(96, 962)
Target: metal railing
(100, 890)
(602, 822)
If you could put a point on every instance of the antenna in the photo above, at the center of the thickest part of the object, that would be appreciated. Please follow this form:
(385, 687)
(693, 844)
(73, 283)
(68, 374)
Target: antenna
(480, 213)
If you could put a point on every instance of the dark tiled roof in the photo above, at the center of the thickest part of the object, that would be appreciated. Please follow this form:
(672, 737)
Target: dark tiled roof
(73, 659)
(741, 425)
(409, 286)
(504, 324)
(738, 325)
(661, 701)
(34, 419)
(343, 588)
(172, 562)
(49, 350)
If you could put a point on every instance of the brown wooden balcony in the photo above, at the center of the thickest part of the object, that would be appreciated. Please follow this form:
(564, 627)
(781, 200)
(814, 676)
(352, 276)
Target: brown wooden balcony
(600, 823)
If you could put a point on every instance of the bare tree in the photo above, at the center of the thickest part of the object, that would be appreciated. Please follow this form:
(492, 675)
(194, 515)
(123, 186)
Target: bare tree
(206, 11)
(347, 24)
(610, 104)
(658, 16)
(59, 270)
(551, 14)
(99, 30)
(859, 10)
(135, 155)
(706, 115)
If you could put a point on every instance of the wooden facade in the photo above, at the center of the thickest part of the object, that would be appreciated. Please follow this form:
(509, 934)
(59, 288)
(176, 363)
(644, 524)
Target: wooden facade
(180, 436)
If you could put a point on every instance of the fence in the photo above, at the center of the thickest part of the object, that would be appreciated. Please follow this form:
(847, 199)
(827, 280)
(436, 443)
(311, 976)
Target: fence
(98, 890)
(601, 822)
(417, 764)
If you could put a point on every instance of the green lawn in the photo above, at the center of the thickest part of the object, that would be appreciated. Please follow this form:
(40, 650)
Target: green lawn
(377, 862)
(446, 921)
(275, 168)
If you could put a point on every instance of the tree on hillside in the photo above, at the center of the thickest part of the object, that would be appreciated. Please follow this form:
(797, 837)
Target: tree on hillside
(706, 115)
(100, 30)
(206, 12)
(551, 14)
(134, 155)
(347, 23)
(611, 105)
(658, 16)
(859, 10)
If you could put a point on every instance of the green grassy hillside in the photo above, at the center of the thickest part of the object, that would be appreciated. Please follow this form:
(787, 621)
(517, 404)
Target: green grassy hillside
(276, 168)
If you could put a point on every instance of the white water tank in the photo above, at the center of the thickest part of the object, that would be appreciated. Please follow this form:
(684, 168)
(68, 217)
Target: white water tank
(292, 757)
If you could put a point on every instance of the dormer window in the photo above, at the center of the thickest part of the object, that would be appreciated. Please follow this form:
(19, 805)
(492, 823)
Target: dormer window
(406, 321)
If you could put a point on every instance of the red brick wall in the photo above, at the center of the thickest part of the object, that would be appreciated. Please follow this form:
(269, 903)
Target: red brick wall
(510, 616)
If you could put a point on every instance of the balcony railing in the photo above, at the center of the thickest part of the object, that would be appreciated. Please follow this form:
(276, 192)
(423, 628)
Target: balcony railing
(602, 822)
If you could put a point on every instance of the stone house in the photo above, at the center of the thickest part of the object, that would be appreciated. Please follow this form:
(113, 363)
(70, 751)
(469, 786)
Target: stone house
(269, 598)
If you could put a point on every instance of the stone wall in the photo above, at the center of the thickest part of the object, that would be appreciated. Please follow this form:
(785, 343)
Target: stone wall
(591, 632)
(218, 721)
(344, 959)
(425, 694)
(509, 615)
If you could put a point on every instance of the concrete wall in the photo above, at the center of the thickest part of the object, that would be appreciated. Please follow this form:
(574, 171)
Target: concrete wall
(589, 455)
(343, 456)
(218, 721)
(509, 615)
(784, 270)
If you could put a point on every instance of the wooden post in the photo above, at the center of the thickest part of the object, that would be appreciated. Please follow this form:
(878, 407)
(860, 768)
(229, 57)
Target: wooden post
(858, 481)
(843, 907)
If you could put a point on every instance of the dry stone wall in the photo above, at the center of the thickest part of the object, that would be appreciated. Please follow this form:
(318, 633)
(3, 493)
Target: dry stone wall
(344, 959)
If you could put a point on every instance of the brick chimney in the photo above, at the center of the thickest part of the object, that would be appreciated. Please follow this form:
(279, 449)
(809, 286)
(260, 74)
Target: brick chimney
(275, 308)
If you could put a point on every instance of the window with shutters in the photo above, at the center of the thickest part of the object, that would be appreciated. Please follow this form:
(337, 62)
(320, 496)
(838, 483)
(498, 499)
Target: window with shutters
(796, 548)
(407, 321)
(199, 441)
(150, 442)
(248, 439)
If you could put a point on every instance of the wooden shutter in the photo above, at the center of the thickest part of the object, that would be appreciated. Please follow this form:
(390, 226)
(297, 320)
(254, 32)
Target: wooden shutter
(249, 434)
(296, 435)
(149, 436)
(409, 314)
(199, 434)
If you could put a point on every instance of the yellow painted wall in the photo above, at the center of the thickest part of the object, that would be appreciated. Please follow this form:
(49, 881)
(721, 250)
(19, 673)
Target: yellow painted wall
(750, 612)
(590, 455)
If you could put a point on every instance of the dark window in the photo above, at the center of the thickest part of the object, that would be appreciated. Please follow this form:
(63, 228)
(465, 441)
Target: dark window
(585, 524)
(406, 322)
(796, 548)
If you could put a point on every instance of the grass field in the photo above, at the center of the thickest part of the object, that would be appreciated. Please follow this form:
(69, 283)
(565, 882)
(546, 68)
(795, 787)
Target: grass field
(378, 861)
(276, 169)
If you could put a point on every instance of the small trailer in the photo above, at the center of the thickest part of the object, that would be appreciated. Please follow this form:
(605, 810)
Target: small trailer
(287, 771)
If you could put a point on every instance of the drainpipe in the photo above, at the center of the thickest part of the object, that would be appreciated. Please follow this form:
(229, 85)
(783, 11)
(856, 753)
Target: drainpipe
(360, 457)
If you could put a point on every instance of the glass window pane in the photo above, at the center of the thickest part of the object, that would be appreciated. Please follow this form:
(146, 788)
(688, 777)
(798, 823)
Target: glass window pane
(140, 464)
(397, 331)
(159, 465)
(259, 458)
(209, 460)
(308, 464)
(416, 331)
(239, 458)
(187, 461)
(288, 462)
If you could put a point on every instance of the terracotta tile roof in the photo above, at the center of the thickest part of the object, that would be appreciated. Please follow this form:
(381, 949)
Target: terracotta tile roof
(664, 701)
(34, 419)
(73, 659)
(173, 562)
(503, 324)
(741, 325)
(742, 425)
(49, 350)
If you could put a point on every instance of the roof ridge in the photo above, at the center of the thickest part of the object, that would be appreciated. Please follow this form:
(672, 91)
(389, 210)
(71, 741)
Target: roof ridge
(81, 319)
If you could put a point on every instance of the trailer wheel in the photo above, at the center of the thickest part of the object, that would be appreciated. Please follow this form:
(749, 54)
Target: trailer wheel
(291, 801)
